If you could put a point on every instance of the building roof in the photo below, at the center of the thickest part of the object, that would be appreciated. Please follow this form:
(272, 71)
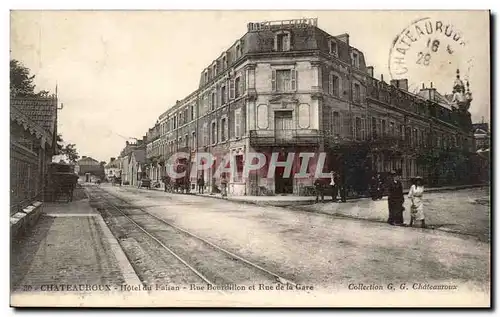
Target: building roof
(87, 158)
(41, 110)
(140, 155)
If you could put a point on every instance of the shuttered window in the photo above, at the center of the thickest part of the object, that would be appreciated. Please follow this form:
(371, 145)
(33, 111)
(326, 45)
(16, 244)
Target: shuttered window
(284, 80)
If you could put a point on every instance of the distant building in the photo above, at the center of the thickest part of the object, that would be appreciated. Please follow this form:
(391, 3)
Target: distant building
(481, 136)
(33, 132)
(123, 165)
(88, 169)
(112, 169)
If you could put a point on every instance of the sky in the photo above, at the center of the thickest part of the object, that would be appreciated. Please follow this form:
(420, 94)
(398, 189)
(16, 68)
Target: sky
(117, 71)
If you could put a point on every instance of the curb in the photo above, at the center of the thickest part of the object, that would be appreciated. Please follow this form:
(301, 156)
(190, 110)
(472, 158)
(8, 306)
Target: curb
(22, 222)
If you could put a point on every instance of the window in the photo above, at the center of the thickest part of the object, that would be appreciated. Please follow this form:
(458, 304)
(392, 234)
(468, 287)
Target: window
(215, 70)
(205, 134)
(224, 62)
(193, 140)
(284, 80)
(383, 132)
(334, 84)
(401, 132)
(206, 77)
(223, 95)
(238, 51)
(237, 86)
(408, 135)
(223, 127)
(357, 92)
(239, 168)
(175, 122)
(333, 47)
(186, 114)
(186, 140)
(355, 60)
(357, 128)
(283, 42)
(179, 142)
(237, 123)
(213, 101)
(192, 112)
(335, 123)
(374, 127)
(392, 131)
(214, 133)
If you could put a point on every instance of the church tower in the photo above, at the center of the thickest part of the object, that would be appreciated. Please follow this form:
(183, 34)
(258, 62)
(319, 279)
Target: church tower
(462, 98)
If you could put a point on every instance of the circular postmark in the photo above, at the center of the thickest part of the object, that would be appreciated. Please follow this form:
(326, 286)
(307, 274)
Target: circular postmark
(428, 48)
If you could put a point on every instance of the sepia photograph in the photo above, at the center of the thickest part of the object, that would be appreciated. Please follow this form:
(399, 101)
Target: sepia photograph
(250, 158)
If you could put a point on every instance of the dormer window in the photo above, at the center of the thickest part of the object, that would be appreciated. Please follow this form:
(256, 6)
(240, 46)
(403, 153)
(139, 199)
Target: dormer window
(238, 51)
(355, 60)
(224, 62)
(206, 76)
(282, 41)
(332, 45)
(215, 70)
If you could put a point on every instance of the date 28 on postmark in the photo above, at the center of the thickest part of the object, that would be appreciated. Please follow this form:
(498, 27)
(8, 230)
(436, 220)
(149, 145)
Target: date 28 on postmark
(426, 45)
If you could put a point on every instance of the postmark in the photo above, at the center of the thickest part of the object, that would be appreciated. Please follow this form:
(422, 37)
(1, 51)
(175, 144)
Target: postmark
(428, 46)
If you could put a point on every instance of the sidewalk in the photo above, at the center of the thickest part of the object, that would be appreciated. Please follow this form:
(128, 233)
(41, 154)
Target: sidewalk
(292, 200)
(70, 245)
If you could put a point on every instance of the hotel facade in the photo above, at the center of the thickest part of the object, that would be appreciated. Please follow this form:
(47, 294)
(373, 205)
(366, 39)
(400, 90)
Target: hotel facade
(290, 87)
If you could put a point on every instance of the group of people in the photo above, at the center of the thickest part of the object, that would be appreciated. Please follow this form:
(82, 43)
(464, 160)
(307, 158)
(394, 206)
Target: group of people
(396, 201)
(223, 185)
(334, 185)
(395, 195)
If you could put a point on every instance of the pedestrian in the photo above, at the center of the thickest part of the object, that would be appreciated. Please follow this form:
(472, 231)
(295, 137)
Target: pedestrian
(417, 207)
(342, 188)
(395, 200)
(374, 187)
(223, 183)
(318, 186)
(380, 186)
(334, 185)
(201, 185)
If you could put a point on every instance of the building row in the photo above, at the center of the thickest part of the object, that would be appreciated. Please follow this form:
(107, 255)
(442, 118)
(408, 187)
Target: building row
(290, 87)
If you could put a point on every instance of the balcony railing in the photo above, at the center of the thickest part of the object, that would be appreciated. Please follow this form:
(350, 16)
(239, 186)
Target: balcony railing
(285, 137)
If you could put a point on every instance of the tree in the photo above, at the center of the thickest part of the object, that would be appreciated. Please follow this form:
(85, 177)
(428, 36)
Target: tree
(70, 151)
(22, 82)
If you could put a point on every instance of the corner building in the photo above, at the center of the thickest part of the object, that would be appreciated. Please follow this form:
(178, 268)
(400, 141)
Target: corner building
(289, 87)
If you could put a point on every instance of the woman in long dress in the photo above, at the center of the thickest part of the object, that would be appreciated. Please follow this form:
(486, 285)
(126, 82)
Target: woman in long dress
(417, 206)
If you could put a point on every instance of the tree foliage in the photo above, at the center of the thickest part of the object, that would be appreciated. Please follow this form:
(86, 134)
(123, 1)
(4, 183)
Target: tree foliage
(69, 150)
(22, 82)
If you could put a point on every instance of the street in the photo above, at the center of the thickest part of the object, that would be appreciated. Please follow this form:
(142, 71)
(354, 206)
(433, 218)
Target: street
(316, 249)
(198, 244)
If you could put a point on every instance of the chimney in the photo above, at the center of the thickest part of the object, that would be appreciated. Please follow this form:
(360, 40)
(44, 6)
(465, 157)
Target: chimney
(403, 84)
(370, 70)
(112, 159)
(381, 77)
(431, 84)
(84, 156)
